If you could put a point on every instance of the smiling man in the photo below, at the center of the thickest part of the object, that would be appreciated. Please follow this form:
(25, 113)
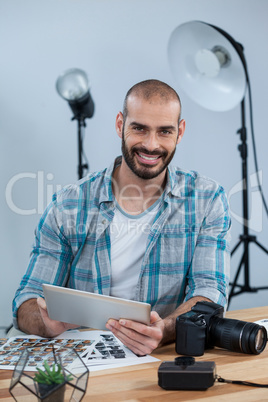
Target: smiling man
(141, 230)
(147, 147)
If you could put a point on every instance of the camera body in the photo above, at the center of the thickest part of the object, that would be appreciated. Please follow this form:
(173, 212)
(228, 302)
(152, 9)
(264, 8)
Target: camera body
(192, 328)
(204, 327)
(185, 373)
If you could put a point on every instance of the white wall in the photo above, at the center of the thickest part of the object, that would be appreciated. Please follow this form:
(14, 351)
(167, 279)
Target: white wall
(118, 43)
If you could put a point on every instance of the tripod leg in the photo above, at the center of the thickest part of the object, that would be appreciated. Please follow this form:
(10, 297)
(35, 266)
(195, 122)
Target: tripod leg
(236, 247)
(261, 246)
(234, 283)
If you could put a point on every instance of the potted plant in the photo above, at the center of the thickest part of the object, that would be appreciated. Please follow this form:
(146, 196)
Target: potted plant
(51, 382)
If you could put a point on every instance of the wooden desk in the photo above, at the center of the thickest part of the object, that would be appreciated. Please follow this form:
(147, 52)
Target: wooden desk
(140, 383)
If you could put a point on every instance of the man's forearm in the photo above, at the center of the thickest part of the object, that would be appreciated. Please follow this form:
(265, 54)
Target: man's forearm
(170, 321)
(30, 320)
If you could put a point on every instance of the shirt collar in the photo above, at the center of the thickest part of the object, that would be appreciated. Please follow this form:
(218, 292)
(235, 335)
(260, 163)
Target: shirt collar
(173, 183)
(106, 193)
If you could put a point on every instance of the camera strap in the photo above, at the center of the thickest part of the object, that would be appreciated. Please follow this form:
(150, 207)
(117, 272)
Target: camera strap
(250, 384)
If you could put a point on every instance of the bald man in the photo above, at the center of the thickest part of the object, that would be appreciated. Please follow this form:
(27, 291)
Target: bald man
(140, 229)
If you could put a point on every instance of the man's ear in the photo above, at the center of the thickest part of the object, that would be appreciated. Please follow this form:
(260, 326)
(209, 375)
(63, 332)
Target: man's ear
(119, 122)
(181, 130)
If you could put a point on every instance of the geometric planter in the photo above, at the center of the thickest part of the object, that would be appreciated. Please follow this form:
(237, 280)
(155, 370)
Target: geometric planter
(23, 387)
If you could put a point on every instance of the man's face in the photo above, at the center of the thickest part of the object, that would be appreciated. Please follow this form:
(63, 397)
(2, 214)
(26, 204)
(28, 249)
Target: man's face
(150, 134)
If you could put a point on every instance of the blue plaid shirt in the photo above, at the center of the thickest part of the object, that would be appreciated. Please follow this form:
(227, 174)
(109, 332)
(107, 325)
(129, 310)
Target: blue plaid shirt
(187, 252)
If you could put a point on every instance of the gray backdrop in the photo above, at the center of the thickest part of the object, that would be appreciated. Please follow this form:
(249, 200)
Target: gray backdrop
(118, 43)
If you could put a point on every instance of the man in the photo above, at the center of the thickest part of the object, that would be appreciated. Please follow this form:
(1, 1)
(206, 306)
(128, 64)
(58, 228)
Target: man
(140, 229)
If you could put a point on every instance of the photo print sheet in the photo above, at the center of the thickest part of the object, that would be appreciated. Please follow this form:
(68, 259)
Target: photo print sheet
(97, 349)
(39, 349)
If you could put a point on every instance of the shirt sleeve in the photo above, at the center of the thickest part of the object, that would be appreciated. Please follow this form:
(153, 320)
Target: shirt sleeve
(50, 258)
(209, 272)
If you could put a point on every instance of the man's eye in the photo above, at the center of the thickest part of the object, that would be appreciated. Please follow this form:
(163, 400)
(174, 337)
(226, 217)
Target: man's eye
(166, 132)
(138, 128)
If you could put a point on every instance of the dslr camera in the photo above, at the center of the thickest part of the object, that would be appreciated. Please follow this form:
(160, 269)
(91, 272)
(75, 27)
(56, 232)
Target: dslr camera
(204, 327)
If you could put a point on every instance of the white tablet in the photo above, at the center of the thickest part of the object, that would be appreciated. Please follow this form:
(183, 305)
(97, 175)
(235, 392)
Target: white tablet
(91, 309)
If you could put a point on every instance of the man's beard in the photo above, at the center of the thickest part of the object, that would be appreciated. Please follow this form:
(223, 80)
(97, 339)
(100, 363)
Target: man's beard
(145, 172)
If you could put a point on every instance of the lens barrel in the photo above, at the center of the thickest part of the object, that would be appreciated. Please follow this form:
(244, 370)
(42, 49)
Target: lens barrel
(237, 336)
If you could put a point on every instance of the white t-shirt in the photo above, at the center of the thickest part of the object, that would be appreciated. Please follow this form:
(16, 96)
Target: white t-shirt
(129, 234)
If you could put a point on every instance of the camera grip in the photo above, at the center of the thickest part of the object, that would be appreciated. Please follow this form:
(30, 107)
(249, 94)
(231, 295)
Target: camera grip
(190, 334)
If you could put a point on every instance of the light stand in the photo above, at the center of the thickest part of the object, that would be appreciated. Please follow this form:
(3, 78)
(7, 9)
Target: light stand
(211, 68)
(73, 86)
(81, 124)
(245, 239)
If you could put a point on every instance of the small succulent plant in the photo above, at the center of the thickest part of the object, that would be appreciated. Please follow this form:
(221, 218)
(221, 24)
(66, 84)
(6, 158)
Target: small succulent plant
(51, 375)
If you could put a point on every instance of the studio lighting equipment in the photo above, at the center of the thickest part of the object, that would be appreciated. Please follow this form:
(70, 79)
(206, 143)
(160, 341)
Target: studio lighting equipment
(210, 66)
(73, 86)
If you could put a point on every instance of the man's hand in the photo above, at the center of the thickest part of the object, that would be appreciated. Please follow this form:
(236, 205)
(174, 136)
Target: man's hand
(143, 339)
(140, 338)
(33, 319)
(54, 328)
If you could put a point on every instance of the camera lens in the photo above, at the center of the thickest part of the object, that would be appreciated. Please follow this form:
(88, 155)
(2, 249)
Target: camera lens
(238, 336)
(259, 340)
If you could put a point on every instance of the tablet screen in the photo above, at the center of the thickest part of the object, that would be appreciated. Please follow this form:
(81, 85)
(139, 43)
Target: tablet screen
(91, 309)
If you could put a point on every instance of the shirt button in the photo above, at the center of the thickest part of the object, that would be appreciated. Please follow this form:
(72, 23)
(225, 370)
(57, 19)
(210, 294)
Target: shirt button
(104, 221)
